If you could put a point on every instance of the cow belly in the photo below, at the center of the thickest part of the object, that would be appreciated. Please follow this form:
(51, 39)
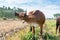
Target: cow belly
(34, 24)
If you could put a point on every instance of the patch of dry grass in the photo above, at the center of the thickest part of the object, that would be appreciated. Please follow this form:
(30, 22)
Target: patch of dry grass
(7, 25)
(49, 27)
(19, 35)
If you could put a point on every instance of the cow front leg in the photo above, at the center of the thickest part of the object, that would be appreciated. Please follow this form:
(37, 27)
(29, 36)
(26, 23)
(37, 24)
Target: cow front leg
(41, 30)
(30, 28)
(33, 33)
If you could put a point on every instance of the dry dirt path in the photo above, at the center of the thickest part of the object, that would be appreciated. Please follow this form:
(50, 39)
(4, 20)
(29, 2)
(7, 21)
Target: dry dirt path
(8, 27)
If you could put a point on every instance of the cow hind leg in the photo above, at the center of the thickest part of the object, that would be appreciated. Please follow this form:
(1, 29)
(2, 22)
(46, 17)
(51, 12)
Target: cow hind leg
(59, 29)
(56, 28)
(41, 30)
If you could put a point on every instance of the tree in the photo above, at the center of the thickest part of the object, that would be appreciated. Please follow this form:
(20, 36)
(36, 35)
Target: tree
(14, 8)
(57, 14)
(20, 10)
(7, 12)
(9, 8)
(3, 6)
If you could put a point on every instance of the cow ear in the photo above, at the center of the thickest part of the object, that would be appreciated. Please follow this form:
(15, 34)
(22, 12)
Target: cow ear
(16, 14)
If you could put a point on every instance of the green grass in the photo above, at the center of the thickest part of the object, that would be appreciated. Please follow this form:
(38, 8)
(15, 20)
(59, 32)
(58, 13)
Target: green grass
(48, 31)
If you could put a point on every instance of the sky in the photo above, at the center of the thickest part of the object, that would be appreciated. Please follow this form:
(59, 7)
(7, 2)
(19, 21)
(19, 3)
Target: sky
(48, 7)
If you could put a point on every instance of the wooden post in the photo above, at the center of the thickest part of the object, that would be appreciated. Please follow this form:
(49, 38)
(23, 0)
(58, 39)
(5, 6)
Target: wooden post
(33, 33)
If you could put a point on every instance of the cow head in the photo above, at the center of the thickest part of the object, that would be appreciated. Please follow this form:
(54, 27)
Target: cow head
(21, 15)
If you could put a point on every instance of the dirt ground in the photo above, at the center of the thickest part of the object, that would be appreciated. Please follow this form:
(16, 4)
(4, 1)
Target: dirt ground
(7, 25)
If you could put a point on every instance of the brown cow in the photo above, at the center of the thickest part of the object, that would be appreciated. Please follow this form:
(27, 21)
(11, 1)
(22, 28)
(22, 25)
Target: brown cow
(57, 24)
(33, 17)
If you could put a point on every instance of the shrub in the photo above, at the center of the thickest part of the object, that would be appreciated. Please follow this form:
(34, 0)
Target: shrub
(4, 18)
(28, 36)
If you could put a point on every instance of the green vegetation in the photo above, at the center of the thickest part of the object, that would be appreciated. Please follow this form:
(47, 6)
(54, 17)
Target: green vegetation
(57, 14)
(7, 12)
(49, 33)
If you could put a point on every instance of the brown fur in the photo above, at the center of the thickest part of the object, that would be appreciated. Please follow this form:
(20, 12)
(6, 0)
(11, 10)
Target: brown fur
(33, 17)
(57, 24)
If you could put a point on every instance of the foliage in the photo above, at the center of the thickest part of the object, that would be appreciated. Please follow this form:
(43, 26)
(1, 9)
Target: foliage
(48, 31)
(48, 36)
(8, 12)
(57, 14)
(4, 18)
(28, 36)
